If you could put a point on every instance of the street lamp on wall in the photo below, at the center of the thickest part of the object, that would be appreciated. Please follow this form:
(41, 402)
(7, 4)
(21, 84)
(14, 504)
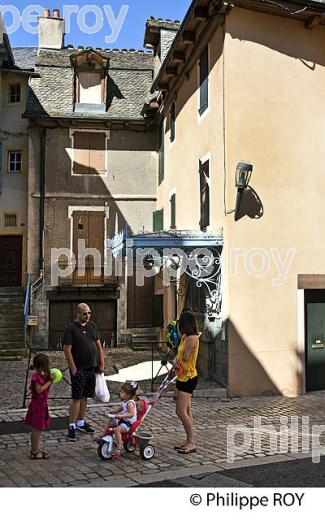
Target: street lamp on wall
(248, 202)
(243, 175)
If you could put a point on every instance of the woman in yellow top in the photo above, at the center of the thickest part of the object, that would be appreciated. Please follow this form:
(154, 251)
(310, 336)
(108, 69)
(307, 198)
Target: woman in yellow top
(187, 379)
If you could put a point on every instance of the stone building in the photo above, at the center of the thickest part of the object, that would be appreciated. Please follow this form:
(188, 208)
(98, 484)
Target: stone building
(92, 178)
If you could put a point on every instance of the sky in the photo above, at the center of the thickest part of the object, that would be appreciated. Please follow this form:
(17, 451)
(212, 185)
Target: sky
(112, 23)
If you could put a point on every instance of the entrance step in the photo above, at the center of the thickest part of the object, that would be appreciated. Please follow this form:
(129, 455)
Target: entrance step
(142, 338)
(12, 354)
(11, 291)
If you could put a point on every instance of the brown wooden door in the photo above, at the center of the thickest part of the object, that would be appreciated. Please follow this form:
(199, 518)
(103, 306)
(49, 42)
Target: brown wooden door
(63, 313)
(89, 226)
(11, 247)
(141, 303)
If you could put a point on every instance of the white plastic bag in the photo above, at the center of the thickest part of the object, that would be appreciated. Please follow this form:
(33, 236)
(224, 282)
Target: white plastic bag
(101, 391)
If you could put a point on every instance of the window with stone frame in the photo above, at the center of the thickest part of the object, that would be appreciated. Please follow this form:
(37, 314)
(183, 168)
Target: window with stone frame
(15, 163)
(89, 153)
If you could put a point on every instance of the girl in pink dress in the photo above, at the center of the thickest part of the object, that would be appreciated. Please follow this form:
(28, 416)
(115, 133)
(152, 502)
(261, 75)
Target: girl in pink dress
(38, 414)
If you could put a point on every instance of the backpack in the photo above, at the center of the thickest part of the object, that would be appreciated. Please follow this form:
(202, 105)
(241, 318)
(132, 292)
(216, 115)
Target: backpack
(171, 334)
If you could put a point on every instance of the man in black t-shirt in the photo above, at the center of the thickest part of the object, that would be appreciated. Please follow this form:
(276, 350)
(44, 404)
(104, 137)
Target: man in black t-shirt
(85, 356)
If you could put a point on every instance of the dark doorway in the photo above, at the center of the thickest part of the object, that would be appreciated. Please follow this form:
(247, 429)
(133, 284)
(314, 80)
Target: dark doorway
(11, 248)
(315, 339)
(64, 312)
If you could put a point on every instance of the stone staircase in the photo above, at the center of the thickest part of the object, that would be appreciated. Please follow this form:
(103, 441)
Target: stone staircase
(140, 339)
(12, 302)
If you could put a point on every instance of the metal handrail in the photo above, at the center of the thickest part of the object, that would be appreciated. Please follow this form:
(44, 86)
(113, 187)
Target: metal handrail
(27, 302)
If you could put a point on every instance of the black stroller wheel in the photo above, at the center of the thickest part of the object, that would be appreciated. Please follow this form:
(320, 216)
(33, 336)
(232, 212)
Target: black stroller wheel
(147, 452)
(128, 446)
(104, 451)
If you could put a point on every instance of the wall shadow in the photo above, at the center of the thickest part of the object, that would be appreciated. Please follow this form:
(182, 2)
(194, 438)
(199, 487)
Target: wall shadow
(112, 91)
(248, 204)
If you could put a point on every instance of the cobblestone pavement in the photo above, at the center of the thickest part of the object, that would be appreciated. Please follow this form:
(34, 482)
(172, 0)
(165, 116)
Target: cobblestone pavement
(79, 465)
(13, 374)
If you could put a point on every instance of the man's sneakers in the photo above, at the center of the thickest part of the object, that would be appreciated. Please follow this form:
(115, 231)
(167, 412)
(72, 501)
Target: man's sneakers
(85, 428)
(71, 435)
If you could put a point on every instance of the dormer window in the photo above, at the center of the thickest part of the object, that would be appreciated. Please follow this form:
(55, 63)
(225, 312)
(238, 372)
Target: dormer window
(90, 81)
(90, 88)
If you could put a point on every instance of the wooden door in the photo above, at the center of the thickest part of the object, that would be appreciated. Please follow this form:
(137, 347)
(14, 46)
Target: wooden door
(11, 247)
(89, 227)
(140, 303)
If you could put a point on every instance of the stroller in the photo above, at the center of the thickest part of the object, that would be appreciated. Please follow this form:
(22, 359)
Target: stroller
(134, 438)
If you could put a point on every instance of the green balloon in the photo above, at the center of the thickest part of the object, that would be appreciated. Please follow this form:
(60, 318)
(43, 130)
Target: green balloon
(58, 375)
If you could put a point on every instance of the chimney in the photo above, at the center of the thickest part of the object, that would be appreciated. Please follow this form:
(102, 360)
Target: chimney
(50, 30)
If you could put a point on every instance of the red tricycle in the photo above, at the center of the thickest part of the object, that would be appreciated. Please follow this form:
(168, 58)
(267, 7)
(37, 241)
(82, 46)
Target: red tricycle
(134, 438)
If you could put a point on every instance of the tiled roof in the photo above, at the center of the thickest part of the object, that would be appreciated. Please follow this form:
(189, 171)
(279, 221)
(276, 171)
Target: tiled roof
(25, 57)
(163, 23)
(130, 77)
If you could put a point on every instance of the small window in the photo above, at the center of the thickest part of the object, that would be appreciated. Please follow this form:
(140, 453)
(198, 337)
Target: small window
(173, 211)
(14, 93)
(204, 81)
(10, 220)
(14, 162)
(172, 122)
(204, 172)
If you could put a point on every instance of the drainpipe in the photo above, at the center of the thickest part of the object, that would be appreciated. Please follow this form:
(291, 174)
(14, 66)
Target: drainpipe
(42, 133)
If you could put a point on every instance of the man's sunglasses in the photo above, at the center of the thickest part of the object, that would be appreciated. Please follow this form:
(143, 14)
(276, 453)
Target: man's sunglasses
(86, 313)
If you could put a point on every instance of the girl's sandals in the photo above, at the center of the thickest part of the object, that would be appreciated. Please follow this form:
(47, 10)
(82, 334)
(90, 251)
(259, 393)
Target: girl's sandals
(40, 455)
(116, 454)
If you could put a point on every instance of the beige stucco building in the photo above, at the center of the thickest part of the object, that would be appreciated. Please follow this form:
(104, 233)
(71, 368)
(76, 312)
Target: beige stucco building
(245, 82)
(14, 75)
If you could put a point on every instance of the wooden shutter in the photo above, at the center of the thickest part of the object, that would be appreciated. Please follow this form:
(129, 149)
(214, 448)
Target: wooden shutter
(172, 121)
(161, 153)
(96, 237)
(173, 211)
(204, 172)
(81, 153)
(158, 220)
(90, 88)
(97, 153)
(89, 153)
(204, 81)
(0, 167)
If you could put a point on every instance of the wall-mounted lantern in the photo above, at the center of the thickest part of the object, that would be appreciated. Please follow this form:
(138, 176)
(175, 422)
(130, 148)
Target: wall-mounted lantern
(243, 174)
